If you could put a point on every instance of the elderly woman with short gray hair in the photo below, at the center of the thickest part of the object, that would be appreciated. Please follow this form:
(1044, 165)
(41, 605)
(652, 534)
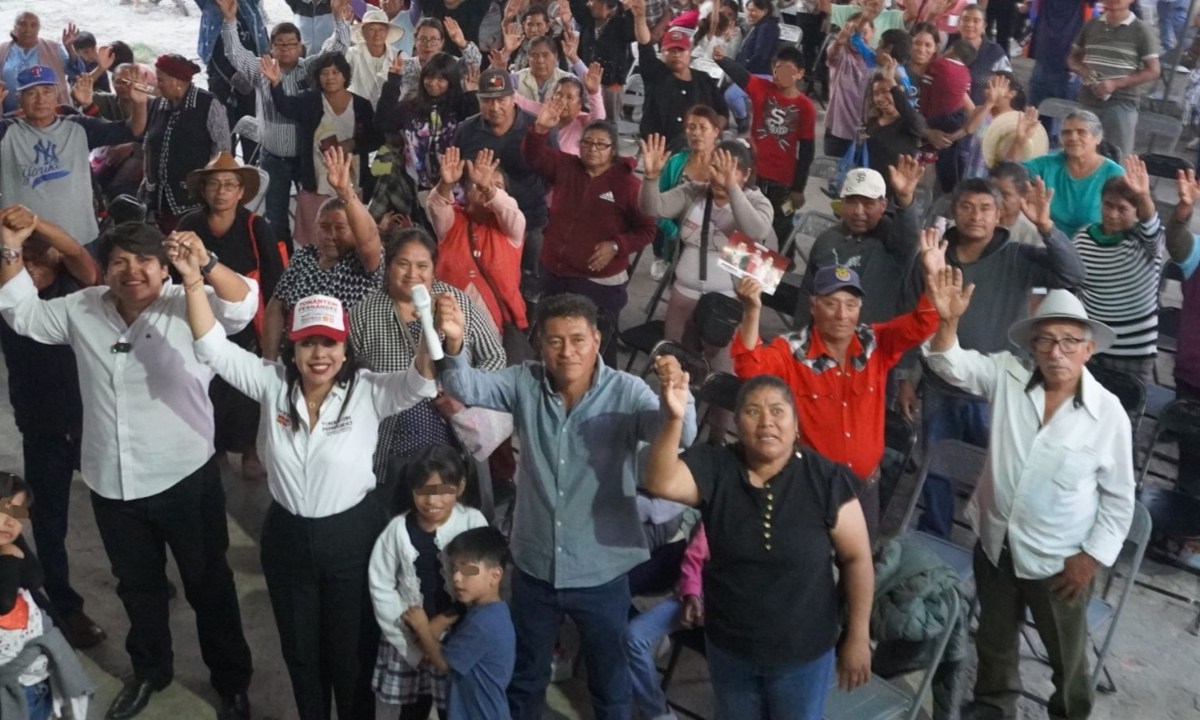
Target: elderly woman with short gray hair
(1075, 175)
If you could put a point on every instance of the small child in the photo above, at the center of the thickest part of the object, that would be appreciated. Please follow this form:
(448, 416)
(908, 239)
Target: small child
(480, 653)
(89, 54)
(944, 92)
(1004, 94)
(783, 131)
(38, 669)
(407, 571)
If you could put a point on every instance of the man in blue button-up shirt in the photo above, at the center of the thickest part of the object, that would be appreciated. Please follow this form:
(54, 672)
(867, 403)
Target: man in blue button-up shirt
(576, 531)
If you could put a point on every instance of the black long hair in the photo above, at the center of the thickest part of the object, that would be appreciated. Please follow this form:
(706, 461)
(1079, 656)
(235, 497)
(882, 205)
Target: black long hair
(445, 66)
(345, 378)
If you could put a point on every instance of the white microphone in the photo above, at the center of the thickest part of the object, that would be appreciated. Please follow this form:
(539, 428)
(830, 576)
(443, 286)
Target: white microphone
(422, 302)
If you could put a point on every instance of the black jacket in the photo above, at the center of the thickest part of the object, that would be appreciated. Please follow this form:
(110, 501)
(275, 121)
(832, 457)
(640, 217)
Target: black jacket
(307, 109)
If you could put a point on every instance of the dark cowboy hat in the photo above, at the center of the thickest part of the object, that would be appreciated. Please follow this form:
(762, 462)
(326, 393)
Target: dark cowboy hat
(225, 162)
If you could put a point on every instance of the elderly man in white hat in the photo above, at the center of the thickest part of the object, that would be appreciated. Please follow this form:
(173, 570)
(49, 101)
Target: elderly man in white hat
(372, 53)
(1057, 495)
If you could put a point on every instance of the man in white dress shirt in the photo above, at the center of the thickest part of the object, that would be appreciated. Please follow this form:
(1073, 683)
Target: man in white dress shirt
(1057, 494)
(147, 446)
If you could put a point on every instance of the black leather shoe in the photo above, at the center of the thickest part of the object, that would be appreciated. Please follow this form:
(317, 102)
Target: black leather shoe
(235, 707)
(132, 699)
(81, 631)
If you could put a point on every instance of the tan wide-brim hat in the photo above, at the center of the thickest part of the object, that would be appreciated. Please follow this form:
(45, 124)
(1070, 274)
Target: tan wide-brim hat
(225, 162)
(395, 33)
(1061, 305)
(999, 138)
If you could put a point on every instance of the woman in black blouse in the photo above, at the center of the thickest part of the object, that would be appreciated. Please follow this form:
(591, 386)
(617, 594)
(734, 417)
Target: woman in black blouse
(894, 126)
(774, 516)
(246, 244)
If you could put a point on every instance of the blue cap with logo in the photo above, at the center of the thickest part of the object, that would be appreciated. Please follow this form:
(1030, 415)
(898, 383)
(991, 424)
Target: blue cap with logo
(35, 75)
(832, 278)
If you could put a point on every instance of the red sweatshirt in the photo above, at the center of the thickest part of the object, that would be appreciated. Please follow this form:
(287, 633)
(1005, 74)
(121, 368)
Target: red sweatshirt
(585, 211)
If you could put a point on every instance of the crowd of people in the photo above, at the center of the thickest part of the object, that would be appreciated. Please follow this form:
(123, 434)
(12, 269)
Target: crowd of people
(408, 282)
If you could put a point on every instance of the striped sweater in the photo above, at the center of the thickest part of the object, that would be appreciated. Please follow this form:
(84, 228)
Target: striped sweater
(1121, 287)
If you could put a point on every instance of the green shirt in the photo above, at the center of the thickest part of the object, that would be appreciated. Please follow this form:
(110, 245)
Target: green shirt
(1116, 51)
(1076, 201)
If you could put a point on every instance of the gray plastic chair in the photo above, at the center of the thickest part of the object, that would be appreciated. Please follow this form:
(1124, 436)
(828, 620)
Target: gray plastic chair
(1102, 612)
(824, 167)
(1156, 127)
(962, 464)
(1057, 108)
(805, 230)
(882, 699)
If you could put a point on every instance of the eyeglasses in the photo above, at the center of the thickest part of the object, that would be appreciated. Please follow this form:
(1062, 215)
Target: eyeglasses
(594, 145)
(285, 45)
(428, 40)
(1069, 345)
(215, 185)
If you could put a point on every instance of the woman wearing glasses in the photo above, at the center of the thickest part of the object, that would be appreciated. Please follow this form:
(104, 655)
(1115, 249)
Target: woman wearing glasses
(246, 243)
(595, 223)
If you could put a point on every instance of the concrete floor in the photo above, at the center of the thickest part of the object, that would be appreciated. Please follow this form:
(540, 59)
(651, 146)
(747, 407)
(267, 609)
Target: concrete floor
(1153, 659)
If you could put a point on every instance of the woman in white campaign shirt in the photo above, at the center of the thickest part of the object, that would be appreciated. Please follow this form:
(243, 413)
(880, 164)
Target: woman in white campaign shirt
(321, 417)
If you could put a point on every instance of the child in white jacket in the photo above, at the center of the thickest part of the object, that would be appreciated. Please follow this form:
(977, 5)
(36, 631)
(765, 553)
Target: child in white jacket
(407, 569)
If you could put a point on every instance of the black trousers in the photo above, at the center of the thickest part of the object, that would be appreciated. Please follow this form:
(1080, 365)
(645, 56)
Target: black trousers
(778, 193)
(50, 463)
(1002, 14)
(189, 518)
(316, 571)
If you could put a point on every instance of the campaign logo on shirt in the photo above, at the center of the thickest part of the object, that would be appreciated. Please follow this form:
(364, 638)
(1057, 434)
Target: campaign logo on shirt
(779, 121)
(283, 419)
(338, 427)
(46, 165)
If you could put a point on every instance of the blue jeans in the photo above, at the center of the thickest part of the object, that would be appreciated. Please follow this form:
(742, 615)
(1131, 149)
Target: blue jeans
(748, 691)
(1172, 23)
(601, 614)
(40, 701)
(946, 416)
(1046, 82)
(641, 636)
(736, 98)
(282, 171)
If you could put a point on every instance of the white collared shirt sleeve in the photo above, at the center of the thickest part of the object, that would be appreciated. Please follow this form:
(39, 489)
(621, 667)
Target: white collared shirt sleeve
(968, 370)
(393, 392)
(42, 320)
(1116, 485)
(234, 316)
(256, 378)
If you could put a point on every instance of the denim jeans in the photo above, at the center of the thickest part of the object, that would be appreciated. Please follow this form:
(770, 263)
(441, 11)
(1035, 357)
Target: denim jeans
(772, 692)
(1046, 82)
(282, 171)
(601, 614)
(641, 637)
(946, 416)
(40, 701)
(1172, 23)
(737, 99)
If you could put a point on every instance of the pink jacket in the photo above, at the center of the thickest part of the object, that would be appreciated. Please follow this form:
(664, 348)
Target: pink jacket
(569, 136)
(691, 569)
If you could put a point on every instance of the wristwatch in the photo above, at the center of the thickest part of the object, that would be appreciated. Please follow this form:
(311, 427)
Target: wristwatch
(212, 263)
(10, 255)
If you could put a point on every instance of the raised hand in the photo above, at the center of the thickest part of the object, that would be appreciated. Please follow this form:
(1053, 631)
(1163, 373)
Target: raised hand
(397, 66)
(82, 91)
(341, 9)
(637, 7)
(470, 79)
(454, 32)
(570, 44)
(749, 292)
(452, 166)
(591, 82)
(997, 87)
(269, 67)
(887, 65)
(673, 385)
(1189, 189)
(496, 58)
(946, 293)
(448, 319)
(550, 113)
(905, 175)
(228, 9)
(187, 254)
(513, 37)
(933, 250)
(69, 35)
(337, 166)
(1036, 205)
(722, 170)
(1026, 123)
(482, 170)
(16, 227)
(718, 52)
(654, 156)
(1136, 176)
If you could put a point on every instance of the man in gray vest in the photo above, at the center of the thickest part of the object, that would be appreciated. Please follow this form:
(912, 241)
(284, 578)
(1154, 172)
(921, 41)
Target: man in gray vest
(44, 156)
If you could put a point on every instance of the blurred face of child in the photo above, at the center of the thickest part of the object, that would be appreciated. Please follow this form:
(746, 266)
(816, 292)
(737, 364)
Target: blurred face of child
(12, 512)
(89, 55)
(881, 95)
(474, 581)
(434, 501)
(786, 74)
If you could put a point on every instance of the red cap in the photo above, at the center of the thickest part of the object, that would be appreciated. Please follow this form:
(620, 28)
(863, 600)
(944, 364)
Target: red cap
(676, 39)
(319, 316)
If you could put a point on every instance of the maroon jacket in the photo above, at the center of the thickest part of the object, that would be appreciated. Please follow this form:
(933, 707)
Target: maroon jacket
(585, 211)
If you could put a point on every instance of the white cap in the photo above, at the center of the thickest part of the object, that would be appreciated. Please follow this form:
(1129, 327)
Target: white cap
(865, 182)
